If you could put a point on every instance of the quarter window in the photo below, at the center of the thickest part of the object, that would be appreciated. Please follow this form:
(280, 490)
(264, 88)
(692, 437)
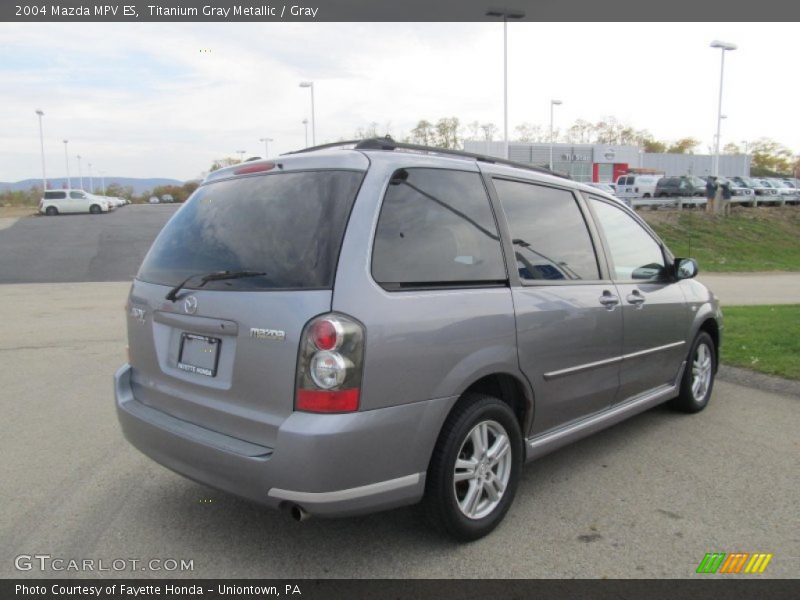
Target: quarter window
(634, 253)
(550, 237)
(436, 227)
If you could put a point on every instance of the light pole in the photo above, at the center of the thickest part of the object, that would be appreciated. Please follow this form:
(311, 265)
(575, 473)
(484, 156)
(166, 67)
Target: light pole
(723, 46)
(241, 155)
(102, 183)
(40, 112)
(305, 122)
(80, 174)
(310, 84)
(91, 181)
(553, 103)
(66, 158)
(266, 141)
(506, 14)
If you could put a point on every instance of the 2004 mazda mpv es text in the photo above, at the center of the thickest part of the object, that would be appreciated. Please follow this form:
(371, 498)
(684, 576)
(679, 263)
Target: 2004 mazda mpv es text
(363, 326)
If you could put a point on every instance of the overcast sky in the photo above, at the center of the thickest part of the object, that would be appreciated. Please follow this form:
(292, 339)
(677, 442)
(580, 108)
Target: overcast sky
(142, 100)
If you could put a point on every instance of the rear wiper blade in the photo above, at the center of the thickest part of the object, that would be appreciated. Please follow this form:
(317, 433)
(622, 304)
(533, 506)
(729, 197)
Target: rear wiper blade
(172, 295)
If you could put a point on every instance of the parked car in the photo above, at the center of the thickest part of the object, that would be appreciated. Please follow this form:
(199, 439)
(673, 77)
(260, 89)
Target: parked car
(684, 186)
(55, 202)
(167, 198)
(786, 191)
(758, 187)
(637, 186)
(363, 328)
(113, 201)
(741, 194)
(609, 188)
(154, 200)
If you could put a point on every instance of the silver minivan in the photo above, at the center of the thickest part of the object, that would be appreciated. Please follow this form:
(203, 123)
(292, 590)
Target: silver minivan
(363, 326)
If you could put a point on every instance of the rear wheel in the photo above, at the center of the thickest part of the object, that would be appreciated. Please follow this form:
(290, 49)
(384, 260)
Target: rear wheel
(698, 378)
(51, 211)
(475, 468)
(95, 209)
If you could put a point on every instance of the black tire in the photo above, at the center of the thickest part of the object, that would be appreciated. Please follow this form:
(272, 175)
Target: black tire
(646, 196)
(95, 209)
(441, 503)
(687, 401)
(51, 211)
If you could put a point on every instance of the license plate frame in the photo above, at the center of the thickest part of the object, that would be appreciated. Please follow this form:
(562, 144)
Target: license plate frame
(196, 345)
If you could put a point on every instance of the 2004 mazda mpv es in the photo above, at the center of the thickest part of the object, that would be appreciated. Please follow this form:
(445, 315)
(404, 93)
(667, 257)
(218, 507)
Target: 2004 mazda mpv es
(354, 328)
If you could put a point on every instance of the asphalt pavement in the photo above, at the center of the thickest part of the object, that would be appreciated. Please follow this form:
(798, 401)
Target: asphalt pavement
(80, 247)
(646, 498)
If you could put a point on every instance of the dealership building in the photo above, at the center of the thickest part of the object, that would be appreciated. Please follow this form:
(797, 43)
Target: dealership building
(606, 162)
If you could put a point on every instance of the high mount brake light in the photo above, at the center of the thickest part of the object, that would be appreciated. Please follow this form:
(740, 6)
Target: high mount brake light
(254, 168)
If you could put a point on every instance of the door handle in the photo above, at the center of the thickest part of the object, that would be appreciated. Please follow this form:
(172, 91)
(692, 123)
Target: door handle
(635, 298)
(608, 300)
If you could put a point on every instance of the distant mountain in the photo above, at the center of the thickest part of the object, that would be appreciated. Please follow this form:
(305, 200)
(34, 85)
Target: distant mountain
(139, 185)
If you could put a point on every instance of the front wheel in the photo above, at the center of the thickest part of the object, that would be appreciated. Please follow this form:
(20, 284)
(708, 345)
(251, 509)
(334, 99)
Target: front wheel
(95, 209)
(475, 468)
(698, 378)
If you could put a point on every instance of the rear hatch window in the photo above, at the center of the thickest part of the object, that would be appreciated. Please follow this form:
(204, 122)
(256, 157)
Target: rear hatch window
(287, 225)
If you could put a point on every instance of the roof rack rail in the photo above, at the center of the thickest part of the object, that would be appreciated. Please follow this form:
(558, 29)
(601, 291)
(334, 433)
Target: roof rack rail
(387, 143)
(323, 147)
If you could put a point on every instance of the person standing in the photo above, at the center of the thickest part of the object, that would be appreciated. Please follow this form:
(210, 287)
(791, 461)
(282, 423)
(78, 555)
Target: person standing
(711, 192)
(727, 194)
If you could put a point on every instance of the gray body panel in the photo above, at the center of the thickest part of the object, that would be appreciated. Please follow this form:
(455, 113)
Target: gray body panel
(582, 364)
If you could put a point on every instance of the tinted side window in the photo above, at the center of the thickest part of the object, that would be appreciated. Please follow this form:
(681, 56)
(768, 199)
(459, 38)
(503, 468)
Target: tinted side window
(550, 237)
(55, 195)
(436, 227)
(76, 195)
(635, 254)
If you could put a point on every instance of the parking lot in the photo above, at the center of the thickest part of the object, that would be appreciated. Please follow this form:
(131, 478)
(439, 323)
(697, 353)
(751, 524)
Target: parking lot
(646, 498)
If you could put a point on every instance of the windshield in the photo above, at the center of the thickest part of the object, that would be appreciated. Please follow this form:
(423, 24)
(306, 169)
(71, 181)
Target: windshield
(288, 227)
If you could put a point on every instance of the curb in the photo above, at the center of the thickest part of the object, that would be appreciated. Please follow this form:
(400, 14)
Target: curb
(759, 381)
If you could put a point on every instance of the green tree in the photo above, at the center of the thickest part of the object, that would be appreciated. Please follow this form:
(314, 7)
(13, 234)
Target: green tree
(654, 146)
(528, 132)
(731, 148)
(423, 133)
(770, 158)
(683, 146)
(447, 133)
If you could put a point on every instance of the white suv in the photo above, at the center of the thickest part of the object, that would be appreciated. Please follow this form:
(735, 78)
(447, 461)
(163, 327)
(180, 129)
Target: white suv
(72, 201)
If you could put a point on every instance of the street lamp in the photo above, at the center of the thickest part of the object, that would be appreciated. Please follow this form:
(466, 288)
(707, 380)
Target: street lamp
(66, 158)
(102, 183)
(40, 112)
(91, 181)
(310, 84)
(723, 46)
(305, 122)
(506, 14)
(241, 155)
(266, 141)
(553, 103)
(80, 175)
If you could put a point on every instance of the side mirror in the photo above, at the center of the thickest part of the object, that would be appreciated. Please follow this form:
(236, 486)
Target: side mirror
(686, 268)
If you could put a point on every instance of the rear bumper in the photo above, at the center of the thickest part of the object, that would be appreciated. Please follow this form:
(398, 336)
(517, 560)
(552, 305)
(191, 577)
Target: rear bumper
(330, 465)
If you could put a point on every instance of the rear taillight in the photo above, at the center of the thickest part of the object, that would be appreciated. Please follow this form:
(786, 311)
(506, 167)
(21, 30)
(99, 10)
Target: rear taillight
(329, 365)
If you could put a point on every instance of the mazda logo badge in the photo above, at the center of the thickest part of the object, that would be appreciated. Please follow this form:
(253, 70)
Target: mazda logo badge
(190, 305)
